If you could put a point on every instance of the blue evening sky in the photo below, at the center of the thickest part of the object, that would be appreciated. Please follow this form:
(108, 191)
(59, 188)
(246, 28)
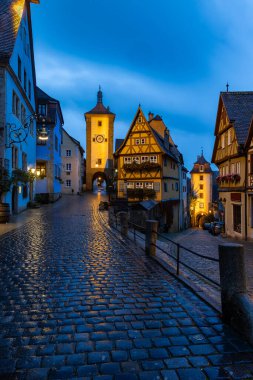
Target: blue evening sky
(171, 56)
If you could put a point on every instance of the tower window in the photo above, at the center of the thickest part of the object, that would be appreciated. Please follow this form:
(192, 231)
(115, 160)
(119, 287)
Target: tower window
(100, 123)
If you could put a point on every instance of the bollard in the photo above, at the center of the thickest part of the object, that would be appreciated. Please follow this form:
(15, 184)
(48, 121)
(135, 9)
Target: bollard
(232, 278)
(151, 236)
(123, 215)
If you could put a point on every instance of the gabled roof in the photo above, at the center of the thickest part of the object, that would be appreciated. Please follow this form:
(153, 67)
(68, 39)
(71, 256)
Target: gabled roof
(99, 108)
(11, 12)
(118, 143)
(239, 108)
(168, 149)
(43, 98)
(75, 141)
(41, 95)
(201, 161)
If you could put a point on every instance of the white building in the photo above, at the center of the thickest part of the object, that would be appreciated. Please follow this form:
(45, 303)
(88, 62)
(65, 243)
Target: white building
(17, 97)
(72, 164)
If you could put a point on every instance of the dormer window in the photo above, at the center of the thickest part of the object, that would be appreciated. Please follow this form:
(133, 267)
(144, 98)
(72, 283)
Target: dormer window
(201, 168)
(42, 109)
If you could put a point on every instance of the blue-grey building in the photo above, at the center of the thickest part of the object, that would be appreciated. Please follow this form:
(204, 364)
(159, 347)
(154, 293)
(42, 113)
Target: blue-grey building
(17, 98)
(48, 152)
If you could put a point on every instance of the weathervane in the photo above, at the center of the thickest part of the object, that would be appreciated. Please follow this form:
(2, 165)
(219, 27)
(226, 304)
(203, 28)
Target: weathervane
(227, 85)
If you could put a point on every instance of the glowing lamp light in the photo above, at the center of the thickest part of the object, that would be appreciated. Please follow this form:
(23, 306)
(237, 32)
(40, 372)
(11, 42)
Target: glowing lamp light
(38, 173)
(43, 135)
(32, 170)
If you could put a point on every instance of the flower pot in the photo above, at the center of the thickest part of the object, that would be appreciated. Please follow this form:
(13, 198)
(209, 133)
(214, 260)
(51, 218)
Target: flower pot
(4, 212)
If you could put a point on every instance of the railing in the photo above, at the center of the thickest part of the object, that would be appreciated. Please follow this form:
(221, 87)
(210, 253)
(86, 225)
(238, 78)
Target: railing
(178, 255)
(179, 262)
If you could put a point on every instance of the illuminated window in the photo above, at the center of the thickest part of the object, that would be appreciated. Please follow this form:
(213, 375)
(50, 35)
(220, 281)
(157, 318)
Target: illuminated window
(223, 141)
(144, 158)
(143, 141)
(139, 119)
(229, 136)
(153, 158)
(41, 169)
(137, 141)
(136, 159)
(238, 168)
(139, 185)
(201, 205)
(149, 185)
(130, 185)
(127, 160)
(201, 168)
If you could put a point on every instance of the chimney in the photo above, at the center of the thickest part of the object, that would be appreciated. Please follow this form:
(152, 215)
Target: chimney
(167, 138)
(150, 116)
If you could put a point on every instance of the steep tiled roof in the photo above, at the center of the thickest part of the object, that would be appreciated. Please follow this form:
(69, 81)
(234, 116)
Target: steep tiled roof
(75, 141)
(99, 107)
(118, 143)
(41, 95)
(11, 12)
(201, 161)
(171, 150)
(239, 107)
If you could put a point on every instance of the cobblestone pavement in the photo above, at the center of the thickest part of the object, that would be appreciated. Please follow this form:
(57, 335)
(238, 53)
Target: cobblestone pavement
(77, 302)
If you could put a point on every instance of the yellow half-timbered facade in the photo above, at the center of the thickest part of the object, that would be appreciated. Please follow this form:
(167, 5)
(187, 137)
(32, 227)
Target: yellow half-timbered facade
(151, 167)
(232, 156)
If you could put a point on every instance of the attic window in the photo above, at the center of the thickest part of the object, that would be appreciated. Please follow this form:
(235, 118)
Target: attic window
(201, 168)
(139, 119)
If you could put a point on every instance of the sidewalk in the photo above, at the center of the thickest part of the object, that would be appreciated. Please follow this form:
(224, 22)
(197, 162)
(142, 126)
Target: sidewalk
(17, 221)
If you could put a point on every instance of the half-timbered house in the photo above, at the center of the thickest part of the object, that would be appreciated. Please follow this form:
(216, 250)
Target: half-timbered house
(151, 167)
(232, 154)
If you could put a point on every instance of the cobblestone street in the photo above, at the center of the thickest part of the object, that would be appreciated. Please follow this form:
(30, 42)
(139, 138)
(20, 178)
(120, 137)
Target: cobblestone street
(77, 302)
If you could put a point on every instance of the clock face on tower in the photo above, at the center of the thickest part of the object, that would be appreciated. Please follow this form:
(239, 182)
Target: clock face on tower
(99, 138)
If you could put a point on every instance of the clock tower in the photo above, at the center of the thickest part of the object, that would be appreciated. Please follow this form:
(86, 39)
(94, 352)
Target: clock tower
(99, 142)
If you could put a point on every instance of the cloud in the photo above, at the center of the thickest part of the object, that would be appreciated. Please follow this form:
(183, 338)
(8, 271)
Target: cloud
(67, 76)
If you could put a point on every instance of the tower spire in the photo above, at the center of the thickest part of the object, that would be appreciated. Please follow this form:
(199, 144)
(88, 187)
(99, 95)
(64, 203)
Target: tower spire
(100, 95)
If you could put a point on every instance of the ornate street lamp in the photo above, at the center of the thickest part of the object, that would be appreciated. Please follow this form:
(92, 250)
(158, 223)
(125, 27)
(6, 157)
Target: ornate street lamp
(16, 134)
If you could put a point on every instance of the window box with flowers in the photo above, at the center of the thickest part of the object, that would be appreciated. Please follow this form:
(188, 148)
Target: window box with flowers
(228, 178)
(144, 166)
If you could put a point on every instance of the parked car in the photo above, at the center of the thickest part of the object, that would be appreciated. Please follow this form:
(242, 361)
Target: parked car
(206, 226)
(216, 228)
